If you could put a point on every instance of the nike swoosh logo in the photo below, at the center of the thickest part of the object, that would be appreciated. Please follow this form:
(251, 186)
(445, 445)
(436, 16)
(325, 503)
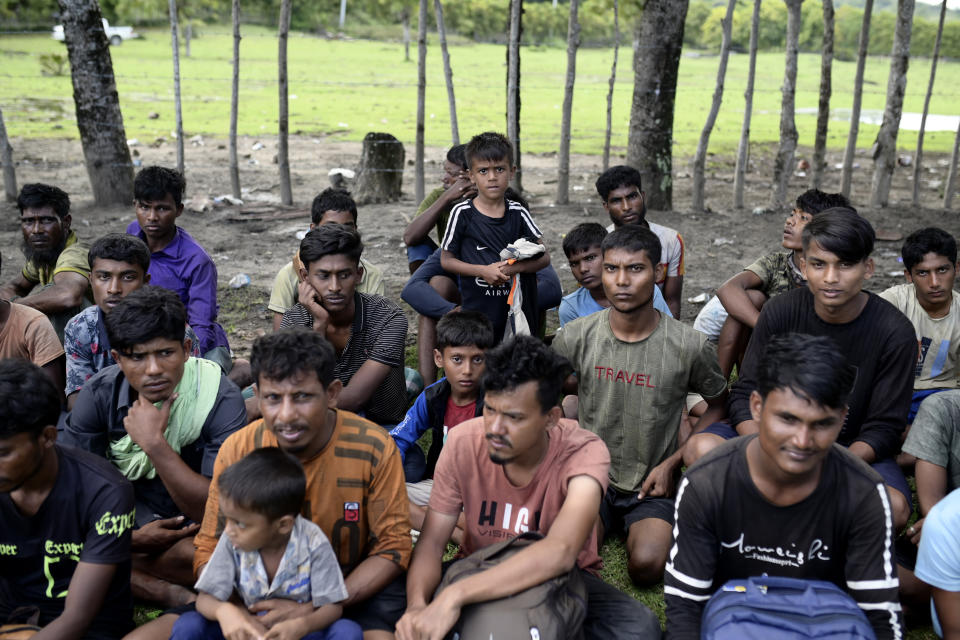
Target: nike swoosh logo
(479, 248)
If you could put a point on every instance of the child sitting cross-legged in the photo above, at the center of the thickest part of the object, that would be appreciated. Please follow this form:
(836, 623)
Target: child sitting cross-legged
(267, 552)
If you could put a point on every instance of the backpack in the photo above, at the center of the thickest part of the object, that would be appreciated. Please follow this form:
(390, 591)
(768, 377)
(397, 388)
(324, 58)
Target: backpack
(763, 608)
(551, 610)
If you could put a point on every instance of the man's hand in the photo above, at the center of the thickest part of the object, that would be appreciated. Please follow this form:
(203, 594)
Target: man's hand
(308, 297)
(429, 623)
(160, 535)
(278, 610)
(915, 530)
(460, 189)
(237, 624)
(145, 423)
(286, 630)
(493, 274)
(660, 482)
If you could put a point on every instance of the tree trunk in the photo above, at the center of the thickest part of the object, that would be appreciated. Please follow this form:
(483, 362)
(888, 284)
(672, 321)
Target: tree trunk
(235, 102)
(421, 99)
(187, 38)
(563, 157)
(952, 174)
(405, 21)
(513, 88)
(447, 72)
(380, 175)
(700, 159)
(283, 155)
(6, 159)
(343, 13)
(863, 44)
(743, 148)
(885, 155)
(178, 106)
(783, 164)
(99, 119)
(656, 63)
(926, 107)
(826, 87)
(613, 80)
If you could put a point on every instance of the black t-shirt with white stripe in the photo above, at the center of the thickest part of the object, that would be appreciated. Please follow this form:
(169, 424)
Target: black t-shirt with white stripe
(725, 529)
(478, 239)
(379, 333)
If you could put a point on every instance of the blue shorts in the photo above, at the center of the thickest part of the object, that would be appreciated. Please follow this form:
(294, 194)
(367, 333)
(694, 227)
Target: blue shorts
(420, 252)
(888, 469)
(918, 397)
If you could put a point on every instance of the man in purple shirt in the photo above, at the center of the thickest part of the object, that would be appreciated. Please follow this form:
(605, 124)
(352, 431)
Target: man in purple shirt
(177, 262)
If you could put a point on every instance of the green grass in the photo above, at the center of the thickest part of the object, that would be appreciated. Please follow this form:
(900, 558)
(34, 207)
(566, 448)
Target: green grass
(345, 89)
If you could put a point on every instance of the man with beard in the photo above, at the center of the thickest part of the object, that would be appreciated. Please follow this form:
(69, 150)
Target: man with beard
(55, 278)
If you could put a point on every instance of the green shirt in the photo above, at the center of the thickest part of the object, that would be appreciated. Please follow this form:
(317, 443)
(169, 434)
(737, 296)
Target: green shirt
(444, 216)
(632, 393)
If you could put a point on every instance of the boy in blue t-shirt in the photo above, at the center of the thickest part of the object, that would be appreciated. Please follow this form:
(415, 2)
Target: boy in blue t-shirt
(480, 228)
(582, 248)
(462, 339)
(267, 551)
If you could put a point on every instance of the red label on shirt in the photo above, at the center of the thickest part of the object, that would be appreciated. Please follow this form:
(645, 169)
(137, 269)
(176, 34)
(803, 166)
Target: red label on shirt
(351, 511)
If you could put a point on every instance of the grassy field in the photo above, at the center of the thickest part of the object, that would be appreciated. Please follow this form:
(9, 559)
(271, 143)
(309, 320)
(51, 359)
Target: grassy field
(347, 88)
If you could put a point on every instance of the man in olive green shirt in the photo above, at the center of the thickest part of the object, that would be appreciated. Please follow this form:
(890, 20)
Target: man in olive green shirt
(54, 279)
(634, 368)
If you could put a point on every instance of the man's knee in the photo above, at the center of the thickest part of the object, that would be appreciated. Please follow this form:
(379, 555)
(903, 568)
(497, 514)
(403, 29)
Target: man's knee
(698, 445)
(648, 543)
(900, 508)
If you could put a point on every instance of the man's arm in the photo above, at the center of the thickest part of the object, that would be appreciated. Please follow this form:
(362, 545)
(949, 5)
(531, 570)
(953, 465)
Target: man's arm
(18, 287)
(425, 568)
(419, 228)
(414, 424)
(362, 385)
(931, 485)
(492, 273)
(672, 292)
(890, 392)
(202, 304)
(145, 424)
(738, 404)
(947, 604)
(54, 371)
(689, 576)
(733, 296)
(85, 596)
(530, 265)
(67, 292)
(552, 556)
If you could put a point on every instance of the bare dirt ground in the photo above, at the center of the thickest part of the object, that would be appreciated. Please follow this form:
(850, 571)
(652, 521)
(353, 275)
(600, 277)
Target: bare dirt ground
(718, 243)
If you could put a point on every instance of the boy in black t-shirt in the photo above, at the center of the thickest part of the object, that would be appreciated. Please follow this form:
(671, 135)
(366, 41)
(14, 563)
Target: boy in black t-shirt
(786, 501)
(480, 228)
(67, 517)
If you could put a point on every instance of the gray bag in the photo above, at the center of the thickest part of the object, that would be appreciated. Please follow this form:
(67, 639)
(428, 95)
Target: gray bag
(552, 610)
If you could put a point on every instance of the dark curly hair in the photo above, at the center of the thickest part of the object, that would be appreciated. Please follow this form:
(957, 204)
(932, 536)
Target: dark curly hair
(286, 353)
(524, 359)
(28, 400)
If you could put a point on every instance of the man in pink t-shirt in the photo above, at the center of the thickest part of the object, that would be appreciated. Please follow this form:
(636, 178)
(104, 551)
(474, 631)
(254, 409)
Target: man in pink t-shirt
(519, 467)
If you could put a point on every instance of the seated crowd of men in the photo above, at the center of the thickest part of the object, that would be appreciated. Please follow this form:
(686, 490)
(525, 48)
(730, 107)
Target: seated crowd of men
(301, 495)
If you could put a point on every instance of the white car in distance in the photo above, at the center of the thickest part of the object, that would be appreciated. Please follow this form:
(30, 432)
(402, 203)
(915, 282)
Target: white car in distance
(115, 35)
